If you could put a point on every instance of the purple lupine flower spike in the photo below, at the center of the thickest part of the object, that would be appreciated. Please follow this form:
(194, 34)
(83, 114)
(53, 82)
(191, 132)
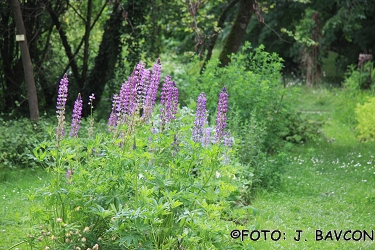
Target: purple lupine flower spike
(222, 110)
(174, 107)
(112, 121)
(169, 100)
(122, 103)
(61, 101)
(200, 118)
(165, 100)
(76, 117)
(228, 140)
(69, 173)
(130, 94)
(143, 79)
(126, 99)
(206, 137)
(152, 90)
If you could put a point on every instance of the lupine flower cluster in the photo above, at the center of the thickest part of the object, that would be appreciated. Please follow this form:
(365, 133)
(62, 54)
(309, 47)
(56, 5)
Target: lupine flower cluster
(91, 99)
(202, 134)
(200, 118)
(61, 101)
(152, 91)
(69, 173)
(221, 120)
(228, 140)
(169, 100)
(136, 94)
(77, 110)
(91, 119)
(206, 140)
(113, 117)
(142, 84)
(76, 117)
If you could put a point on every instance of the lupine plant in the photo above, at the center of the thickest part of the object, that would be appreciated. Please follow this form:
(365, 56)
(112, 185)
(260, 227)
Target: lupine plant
(76, 117)
(91, 118)
(200, 118)
(152, 91)
(169, 101)
(221, 120)
(162, 188)
(61, 101)
(113, 117)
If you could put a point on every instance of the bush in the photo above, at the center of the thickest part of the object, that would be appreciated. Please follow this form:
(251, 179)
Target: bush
(365, 117)
(358, 85)
(253, 80)
(18, 139)
(360, 79)
(262, 115)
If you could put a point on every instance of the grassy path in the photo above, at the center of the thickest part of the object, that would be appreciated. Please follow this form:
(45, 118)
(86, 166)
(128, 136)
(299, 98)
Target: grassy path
(327, 187)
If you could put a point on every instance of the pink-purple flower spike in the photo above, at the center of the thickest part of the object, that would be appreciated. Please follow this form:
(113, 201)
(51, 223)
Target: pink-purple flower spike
(169, 100)
(221, 120)
(113, 117)
(61, 101)
(200, 118)
(76, 117)
(152, 90)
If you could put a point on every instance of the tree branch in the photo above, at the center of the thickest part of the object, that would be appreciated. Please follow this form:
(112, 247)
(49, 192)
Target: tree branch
(86, 39)
(91, 27)
(64, 39)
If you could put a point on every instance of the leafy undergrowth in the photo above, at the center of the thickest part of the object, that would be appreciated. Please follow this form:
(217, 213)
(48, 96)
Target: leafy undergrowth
(328, 186)
(15, 189)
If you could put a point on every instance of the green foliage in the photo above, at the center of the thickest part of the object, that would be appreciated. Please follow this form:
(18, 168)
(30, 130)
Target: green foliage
(253, 82)
(346, 104)
(139, 188)
(304, 30)
(265, 169)
(357, 86)
(18, 139)
(366, 119)
(357, 79)
(261, 112)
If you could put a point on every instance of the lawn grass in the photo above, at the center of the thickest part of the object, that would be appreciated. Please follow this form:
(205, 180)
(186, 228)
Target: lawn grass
(329, 185)
(15, 220)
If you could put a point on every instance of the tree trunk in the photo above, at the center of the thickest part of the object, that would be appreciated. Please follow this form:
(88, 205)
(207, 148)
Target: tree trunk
(86, 39)
(214, 36)
(311, 55)
(238, 31)
(64, 40)
(105, 61)
(26, 61)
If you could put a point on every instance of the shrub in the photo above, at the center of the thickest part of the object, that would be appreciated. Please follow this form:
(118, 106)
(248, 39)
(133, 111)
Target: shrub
(357, 79)
(358, 84)
(366, 119)
(253, 81)
(261, 113)
(146, 182)
(18, 139)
